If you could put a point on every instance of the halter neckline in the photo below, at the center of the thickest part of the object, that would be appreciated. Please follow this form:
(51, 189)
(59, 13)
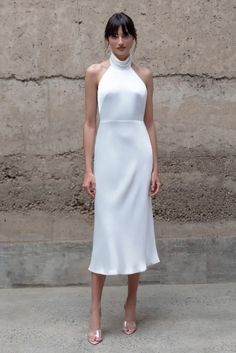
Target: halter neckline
(123, 64)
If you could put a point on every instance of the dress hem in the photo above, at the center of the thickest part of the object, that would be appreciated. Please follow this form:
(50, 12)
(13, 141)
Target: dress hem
(125, 273)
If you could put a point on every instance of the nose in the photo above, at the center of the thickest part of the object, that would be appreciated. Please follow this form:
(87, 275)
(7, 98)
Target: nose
(120, 41)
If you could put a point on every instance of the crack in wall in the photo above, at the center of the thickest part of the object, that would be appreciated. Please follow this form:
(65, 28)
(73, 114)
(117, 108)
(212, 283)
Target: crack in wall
(180, 154)
(42, 78)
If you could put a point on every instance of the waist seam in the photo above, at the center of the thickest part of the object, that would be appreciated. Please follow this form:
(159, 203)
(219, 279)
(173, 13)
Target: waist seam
(121, 120)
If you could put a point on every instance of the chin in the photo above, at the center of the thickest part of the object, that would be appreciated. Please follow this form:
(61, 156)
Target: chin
(122, 53)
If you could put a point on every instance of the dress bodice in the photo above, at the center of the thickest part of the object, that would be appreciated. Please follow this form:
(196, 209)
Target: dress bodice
(121, 92)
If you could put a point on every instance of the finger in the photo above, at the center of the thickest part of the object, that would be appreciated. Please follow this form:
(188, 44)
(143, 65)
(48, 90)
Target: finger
(156, 192)
(88, 191)
(93, 190)
(152, 186)
(153, 193)
(91, 193)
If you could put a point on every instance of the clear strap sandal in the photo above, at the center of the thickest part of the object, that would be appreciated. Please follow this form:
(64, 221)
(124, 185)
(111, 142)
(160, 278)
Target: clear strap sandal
(129, 327)
(95, 336)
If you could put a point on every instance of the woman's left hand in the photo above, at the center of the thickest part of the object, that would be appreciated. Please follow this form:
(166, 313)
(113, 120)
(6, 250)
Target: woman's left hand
(154, 184)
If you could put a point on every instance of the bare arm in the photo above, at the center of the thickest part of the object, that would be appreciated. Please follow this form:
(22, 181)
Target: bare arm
(89, 129)
(148, 118)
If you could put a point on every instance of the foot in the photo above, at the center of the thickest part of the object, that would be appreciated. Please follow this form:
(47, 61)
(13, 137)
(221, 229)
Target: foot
(129, 324)
(129, 327)
(94, 334)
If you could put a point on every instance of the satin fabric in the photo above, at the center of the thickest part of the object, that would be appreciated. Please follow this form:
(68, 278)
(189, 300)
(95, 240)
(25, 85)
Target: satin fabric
(123, 233)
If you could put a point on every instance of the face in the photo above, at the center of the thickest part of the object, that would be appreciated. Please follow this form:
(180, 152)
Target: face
(121, 44)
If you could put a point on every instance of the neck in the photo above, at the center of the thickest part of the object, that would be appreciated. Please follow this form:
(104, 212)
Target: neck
(117, 62)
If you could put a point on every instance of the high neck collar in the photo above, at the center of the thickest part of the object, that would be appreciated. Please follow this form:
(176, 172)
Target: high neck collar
(123, 64)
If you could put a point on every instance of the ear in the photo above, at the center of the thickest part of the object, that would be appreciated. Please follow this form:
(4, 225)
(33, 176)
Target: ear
(107, 47)
(134, 46)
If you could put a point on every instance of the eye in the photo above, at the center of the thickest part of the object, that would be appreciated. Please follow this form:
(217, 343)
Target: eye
(114, 35)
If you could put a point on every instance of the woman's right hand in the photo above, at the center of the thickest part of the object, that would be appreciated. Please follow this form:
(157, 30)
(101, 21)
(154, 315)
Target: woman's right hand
(89, 183)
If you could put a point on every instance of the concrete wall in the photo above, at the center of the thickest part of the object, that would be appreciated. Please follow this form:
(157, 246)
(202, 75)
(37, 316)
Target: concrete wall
(45, 47)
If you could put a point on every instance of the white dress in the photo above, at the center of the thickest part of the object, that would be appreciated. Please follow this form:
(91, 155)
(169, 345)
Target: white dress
(123, 234)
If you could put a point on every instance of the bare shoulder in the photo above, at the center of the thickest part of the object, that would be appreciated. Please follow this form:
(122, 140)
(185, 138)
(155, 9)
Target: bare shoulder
(94, 71)
(145, 72)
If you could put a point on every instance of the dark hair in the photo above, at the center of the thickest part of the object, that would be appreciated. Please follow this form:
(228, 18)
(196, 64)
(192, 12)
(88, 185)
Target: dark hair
(120, 19)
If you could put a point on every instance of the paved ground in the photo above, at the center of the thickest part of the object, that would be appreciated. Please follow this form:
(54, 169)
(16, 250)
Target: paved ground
(170, 318)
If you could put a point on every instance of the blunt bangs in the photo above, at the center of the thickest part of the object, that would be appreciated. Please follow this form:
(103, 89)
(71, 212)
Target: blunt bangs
(117, 20)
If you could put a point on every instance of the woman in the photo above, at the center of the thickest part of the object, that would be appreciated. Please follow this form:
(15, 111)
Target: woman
(125, 176)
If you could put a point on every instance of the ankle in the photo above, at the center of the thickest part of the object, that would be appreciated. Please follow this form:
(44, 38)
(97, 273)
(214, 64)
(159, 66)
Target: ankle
(131, 301)
(95, 318)
(95, 307)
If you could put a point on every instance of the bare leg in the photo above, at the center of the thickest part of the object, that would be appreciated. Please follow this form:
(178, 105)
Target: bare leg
(97, 283)
(130, 304)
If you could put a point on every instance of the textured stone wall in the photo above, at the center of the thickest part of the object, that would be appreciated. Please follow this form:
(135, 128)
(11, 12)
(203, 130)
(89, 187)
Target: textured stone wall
(45, 47)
